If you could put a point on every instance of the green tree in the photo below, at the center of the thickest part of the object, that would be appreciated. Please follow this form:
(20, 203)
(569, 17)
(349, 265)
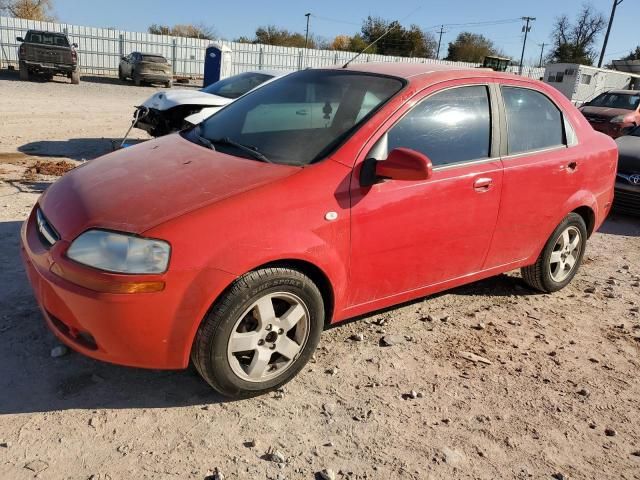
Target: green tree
(29, 9)
(273, 35)
(575, 42)
(471, 47)
(184, 30)
(399, 41)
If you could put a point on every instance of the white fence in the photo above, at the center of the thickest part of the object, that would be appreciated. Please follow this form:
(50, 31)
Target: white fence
(100, 50)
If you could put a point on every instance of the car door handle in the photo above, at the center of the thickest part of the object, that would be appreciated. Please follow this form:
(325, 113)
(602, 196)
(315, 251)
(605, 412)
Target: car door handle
(301, 112)
(482, 184)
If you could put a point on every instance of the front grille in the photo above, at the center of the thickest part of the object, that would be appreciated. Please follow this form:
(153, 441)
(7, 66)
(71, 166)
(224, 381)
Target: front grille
(46, 232)
(84, 339)
(627, 201)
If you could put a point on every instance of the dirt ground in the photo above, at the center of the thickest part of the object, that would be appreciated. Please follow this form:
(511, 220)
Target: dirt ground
(558, 398)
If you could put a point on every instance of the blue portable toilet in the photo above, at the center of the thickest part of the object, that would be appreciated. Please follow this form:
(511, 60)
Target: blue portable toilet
(217, 63)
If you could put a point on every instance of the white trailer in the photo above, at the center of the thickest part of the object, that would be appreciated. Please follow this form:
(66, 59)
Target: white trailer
(580, 83)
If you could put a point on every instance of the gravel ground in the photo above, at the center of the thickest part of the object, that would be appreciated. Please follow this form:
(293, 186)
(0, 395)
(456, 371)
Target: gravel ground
(554, 393)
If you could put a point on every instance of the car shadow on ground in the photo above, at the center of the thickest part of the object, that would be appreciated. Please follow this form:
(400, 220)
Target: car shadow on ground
(75, 148)
(621, 224)
(32, 381)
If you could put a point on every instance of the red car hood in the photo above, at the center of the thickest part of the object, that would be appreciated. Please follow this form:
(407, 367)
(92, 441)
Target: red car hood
(605, 111)
(139, 187)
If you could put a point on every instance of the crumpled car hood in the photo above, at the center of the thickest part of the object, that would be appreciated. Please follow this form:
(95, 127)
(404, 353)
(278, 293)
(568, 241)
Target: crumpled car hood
(140, 187)
(168, 99)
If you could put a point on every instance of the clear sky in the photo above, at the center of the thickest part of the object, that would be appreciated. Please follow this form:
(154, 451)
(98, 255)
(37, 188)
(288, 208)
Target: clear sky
(231, 19)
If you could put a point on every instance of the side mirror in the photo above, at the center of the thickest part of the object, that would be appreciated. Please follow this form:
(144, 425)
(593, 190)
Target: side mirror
(74, 45)
(123, 57)
(401, 164)
(20, 39)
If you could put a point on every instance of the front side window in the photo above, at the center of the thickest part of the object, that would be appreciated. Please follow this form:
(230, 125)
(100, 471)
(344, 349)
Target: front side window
(238, 85)
(298, 118)
(533, 121)
(451, 126)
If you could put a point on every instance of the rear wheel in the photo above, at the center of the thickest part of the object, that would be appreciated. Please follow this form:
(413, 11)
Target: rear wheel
(121, 75)
(561, 257)
(24, 72)
(136, 80)
(260, 333)
(75, 77)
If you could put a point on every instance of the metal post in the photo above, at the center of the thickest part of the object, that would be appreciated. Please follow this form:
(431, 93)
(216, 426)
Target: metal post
(606, 36)
(174, 55)
(306, 35)
(121, 45)
(260, 59)
(526, 30)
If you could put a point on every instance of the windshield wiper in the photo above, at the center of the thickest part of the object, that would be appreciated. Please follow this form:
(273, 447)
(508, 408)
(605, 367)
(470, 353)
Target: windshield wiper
(253, 151)
(203, 140)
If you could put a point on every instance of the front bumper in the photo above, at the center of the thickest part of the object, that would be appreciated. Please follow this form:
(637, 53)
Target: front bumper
(148, 330)
(626, 197)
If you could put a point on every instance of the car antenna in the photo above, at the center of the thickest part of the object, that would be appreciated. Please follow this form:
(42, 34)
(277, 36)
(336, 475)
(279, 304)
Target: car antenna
(393, 25)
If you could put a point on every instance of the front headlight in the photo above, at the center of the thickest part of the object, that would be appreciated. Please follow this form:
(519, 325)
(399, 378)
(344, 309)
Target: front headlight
(120, 252)
(618, 119)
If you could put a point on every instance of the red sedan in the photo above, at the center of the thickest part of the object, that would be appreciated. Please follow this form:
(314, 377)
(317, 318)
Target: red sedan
(324, 195)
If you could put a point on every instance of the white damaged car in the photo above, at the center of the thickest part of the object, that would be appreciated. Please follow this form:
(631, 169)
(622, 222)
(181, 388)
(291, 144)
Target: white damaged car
(170, 111)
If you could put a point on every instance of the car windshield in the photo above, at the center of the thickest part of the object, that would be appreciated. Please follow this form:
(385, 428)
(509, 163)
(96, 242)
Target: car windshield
(238, 85)
(626, 101)
(47, 38)
(154, 59)
(299, 118)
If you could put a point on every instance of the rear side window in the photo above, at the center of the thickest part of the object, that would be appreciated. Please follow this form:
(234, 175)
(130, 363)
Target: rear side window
(451, 126)
(533, 121)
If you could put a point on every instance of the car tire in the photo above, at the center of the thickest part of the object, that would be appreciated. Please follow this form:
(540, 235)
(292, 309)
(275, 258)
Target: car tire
(75, 77)
(121, 75)
(168, 84)
(560, 258)
(280, 312)
(24, 72)
(137, 81)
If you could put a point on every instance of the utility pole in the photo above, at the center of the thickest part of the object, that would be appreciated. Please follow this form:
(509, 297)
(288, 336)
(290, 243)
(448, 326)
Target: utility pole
(606, 36)
(526, 29)
(541, 45)
(442, 30)
(306, 35)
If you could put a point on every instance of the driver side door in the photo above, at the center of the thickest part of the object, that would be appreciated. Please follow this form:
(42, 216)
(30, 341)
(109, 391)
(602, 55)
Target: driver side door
(410, 235)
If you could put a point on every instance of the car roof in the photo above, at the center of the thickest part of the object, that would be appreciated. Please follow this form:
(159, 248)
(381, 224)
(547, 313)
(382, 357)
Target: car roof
(45, 31)
(625, 92)
(272, 72)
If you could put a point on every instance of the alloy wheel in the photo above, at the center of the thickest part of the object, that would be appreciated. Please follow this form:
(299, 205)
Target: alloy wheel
(565, 254)
(268, 337)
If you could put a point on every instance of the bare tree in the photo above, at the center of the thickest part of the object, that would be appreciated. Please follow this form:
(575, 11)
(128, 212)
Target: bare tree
(575, 42)
(29, 9)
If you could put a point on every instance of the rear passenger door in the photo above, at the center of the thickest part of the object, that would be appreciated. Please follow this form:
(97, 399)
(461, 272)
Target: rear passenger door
(542, 170)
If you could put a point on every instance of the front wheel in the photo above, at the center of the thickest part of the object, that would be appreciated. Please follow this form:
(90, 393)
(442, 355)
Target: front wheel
(561, 257)
(260, 333)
